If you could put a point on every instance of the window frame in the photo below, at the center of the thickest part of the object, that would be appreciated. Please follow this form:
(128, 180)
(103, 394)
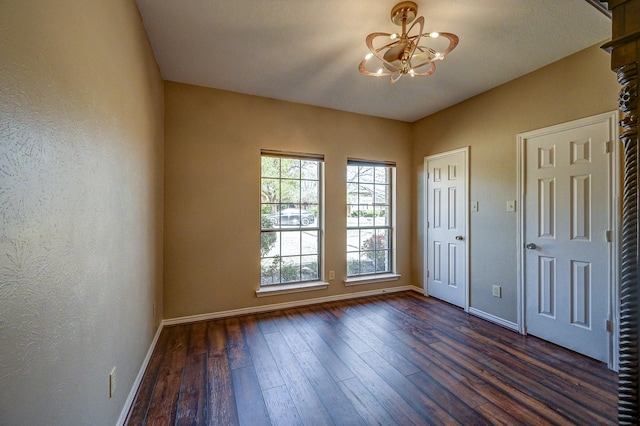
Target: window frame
(281, 229)
(390, 274)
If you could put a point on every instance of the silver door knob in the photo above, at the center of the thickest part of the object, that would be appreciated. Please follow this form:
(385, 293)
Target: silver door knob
(459, 238)
(531, 246)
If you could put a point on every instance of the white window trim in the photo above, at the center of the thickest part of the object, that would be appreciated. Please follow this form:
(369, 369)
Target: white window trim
(277, 289)
(371, 279)
(301, 286)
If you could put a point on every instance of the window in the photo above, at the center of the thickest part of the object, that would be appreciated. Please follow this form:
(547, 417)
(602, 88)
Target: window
(291, 217)
(369, 218)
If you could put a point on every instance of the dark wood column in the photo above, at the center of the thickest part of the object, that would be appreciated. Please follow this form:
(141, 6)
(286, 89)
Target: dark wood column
(625, 53)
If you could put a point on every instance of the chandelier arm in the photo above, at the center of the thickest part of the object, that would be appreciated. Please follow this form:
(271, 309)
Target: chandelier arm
(362, 68)
(376, 52)
(432, 69)
(453, 42)
(393, 80)
(415, 40)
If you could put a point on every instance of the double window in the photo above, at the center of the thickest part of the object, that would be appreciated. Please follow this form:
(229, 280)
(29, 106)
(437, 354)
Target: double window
(369, 218)
(291, 215)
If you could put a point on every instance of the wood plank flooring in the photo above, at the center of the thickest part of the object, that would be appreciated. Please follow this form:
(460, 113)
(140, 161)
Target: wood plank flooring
(396, 359)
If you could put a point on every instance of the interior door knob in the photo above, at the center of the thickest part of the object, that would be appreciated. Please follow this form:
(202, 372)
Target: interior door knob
(531, 246)
(459, 238)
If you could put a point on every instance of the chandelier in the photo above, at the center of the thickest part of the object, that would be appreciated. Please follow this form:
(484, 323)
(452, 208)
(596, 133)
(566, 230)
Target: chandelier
(402, 54)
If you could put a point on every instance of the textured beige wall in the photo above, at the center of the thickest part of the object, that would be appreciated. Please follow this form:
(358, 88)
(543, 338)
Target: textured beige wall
(81, 157)
(212, 191)
(578, 86)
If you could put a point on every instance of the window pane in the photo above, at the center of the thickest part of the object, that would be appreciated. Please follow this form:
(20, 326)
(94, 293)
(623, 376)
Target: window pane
(365, 174)
(270, 190)
(382, 261)
(353, 263)
(270, 271)
(290, 269)
(365, 192)
(269, 244)
(310, 192)
(270, 167)
(381, 175)
(290, 168)
(309, 268)
(352, 173)
(309, 242)
(381, 217)
(290, 243)
(290, 191)
(381, 194)
(365, 215)
(310, 215)
(352, 193)
(310, 170)
(353, 240)
(366, 264)
(268, 209)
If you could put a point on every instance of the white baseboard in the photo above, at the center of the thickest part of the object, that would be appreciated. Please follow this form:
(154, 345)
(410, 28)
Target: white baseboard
(287, 305)
(245, 311)
(136, 383)
(494, 319)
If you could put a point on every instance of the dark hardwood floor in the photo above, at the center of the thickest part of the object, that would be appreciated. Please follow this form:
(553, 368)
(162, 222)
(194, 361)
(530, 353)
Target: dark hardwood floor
(396, 359)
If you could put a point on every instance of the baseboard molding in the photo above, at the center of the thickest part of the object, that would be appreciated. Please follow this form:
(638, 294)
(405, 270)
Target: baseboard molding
(494, 319)
(287, 305)
(136, 383)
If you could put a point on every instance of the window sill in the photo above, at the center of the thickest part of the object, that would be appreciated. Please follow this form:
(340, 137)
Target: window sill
(275, 290)
(371, 279)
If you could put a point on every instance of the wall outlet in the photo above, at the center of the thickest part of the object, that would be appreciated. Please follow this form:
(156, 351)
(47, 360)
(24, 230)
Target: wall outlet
(332, 275)
(112, 382)
(497, 291)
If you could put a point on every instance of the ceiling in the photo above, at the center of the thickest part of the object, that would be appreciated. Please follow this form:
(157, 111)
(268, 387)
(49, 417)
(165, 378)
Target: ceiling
(308, 51)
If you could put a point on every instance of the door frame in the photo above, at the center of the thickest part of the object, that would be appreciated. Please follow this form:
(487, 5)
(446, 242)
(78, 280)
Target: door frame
(425, 265)
(613, 213)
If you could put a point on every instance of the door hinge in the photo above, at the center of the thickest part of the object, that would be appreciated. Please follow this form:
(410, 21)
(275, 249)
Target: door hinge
(428, 274)
(607, 147)
(608, 236)
(609, 326)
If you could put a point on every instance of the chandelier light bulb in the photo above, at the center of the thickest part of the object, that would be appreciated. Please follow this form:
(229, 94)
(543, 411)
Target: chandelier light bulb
(411, 51)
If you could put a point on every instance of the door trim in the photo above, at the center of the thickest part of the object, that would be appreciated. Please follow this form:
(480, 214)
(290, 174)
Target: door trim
(613, 220)
(425, 263)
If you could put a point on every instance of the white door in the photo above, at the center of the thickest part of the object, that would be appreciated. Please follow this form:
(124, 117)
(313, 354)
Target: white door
(446, 242)
(566, 235)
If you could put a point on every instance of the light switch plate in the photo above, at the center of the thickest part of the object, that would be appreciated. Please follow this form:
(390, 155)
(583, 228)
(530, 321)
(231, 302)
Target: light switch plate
(474, 206)
(497, 291)
(511, 205)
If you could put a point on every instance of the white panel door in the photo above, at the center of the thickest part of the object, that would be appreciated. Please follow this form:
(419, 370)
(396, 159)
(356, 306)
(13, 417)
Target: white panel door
(566, 268)
(446, 247)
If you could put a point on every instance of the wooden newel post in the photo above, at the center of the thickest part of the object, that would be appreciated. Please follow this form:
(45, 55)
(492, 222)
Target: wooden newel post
(625, 53)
